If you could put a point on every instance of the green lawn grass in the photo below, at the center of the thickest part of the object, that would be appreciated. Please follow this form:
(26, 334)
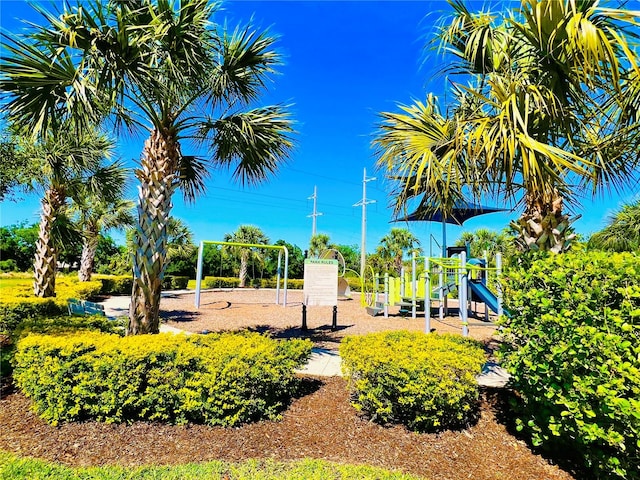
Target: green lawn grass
(13, 467)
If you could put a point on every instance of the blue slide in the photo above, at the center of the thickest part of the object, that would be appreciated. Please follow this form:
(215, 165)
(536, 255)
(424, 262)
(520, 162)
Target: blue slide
(485, 295)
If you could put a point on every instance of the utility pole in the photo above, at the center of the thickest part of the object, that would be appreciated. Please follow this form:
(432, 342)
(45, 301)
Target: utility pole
(364, 202)
(315, 212)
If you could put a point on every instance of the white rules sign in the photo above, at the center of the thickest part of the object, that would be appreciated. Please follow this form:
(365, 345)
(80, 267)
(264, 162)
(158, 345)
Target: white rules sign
(320, 282)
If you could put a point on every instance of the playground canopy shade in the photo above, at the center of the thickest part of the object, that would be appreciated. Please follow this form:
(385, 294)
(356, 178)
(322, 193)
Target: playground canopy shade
(461, 212)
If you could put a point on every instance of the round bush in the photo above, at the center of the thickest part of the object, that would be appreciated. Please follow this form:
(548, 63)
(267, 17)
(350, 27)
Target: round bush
(424, 381)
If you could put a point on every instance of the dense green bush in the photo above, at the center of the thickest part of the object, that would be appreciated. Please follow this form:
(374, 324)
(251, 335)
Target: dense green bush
(174, 282)
(218, 379)
(179, 282)
(8, 265)
(424, 381)
(115, 284)
(572, 346)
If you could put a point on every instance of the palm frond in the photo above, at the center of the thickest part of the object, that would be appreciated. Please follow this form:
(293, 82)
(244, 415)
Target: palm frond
(257, 142)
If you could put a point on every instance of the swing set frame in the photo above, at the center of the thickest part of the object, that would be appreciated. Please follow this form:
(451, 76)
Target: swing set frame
(282, 248)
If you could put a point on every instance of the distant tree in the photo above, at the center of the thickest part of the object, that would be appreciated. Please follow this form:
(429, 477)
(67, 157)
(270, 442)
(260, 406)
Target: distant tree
(351, 255)
(181, 251)
(318, 244)
(18, 243)
(296, 261)
(107, 258)
(395, 244)
(622, 233)
(489, 241)
(246, 234)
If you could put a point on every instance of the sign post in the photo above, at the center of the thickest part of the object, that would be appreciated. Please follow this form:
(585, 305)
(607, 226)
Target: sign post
(320, 287)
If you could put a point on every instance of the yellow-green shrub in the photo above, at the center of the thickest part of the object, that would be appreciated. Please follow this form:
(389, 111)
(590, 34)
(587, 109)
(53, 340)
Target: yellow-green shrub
(424, 381)
(17, 301)
(219, 379)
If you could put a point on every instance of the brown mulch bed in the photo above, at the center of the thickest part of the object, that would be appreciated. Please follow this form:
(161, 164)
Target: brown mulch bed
(319, 424)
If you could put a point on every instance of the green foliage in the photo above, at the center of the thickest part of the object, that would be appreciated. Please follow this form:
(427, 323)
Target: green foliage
(171, 282)
(572, 347)
(8, 265)
(14, 467)
(17, 301)
(18, 243)
(296, 261)
(424, 381)
(622, 233)
(115, 284)
(219, 379)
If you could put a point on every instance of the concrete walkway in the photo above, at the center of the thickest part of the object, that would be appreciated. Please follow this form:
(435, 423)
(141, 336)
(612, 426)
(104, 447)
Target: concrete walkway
(323, 362)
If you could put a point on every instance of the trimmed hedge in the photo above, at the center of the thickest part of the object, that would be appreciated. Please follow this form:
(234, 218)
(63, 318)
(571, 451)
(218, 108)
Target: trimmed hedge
(572, 346)
(219, 379)
(424, 381)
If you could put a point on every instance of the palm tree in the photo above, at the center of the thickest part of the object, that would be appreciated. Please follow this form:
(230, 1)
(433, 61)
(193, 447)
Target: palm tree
(543, 118)
(622, 233)
(180, 239)
(394, 245)
(167, 67)
(318, 244)
(247, 234)
(95, 214)
(484, 241)
(64, 163)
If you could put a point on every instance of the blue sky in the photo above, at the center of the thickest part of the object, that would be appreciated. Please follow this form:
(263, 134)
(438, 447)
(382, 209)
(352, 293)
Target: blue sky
(344, 63)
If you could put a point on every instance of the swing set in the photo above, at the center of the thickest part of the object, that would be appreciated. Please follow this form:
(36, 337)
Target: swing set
(281, 248)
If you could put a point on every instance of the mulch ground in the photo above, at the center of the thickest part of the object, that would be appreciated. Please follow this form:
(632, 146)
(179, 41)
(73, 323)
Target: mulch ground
(320, 423)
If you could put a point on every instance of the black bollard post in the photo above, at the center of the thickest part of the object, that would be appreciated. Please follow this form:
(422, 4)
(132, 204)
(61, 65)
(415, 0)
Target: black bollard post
(334, 325)
(304, 318)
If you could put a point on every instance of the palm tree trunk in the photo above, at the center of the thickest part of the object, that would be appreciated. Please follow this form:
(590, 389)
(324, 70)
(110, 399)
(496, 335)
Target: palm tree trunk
(89, 248)
(244, 261)
(544, 226)
(45, 263)
(157, 174)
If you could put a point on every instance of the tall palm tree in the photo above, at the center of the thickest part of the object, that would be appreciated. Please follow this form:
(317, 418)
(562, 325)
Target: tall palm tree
(542, 120)
(395, 244)
(167, 67)
(622, 233)
(94, 214)
(64, 163)
(246, 234)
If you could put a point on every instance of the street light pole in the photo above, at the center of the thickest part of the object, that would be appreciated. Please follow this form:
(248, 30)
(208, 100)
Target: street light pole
(315, 212)
(364, 202)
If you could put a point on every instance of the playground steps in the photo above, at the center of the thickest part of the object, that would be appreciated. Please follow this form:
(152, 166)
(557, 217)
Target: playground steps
(376, 310)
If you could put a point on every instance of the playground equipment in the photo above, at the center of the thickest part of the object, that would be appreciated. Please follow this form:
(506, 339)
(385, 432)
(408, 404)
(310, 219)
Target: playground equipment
(441, 278)
(344, 291)
(282, 249)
